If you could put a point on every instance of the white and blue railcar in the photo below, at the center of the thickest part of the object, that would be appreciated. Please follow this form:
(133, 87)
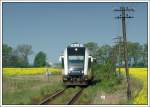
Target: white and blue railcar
(76, 62)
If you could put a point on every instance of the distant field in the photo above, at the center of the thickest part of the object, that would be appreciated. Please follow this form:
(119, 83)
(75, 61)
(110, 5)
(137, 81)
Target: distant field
(28, 71)
(141, 75)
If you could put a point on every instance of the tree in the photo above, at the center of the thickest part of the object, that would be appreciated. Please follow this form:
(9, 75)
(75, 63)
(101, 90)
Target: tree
(6, 55)
(24, 51)
(145, 54)
(40, 59)
(92, 48)
(103, 53)
(135, 53)
(16, 60)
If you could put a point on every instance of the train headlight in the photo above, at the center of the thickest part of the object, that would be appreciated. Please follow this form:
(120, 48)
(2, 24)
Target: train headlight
(76, 49)
(70, 69)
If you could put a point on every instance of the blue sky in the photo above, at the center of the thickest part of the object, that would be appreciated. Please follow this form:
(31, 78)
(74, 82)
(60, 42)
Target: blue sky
(50, 27)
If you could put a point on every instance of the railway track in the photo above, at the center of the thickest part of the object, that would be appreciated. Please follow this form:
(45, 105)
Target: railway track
(75, 97)
(48, 99)
(58, 93)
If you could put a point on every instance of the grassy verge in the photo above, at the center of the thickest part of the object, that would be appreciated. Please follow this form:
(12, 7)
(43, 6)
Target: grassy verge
(113, 92)
(29, 89)
(109, 89)
(140, 75)
(104, 84)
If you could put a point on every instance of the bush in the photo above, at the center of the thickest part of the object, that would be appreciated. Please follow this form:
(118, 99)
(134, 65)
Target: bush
(106, 76)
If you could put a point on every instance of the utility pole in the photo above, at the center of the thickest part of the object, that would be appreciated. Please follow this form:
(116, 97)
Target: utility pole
(119, 52)
(114, 60)
(118, 46)
(123, 17)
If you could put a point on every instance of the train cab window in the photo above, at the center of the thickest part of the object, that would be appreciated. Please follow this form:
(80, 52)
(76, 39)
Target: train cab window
(76, 61)
(76, 58)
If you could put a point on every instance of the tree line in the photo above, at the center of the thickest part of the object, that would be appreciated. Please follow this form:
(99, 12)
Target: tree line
(137, 53)
(19, 56)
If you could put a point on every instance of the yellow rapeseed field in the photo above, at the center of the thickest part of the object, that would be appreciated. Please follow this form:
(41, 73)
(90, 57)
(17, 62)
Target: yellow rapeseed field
(141, 74)
(28, 71)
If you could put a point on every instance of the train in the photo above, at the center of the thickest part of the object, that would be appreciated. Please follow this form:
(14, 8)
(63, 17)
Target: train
(76, 63)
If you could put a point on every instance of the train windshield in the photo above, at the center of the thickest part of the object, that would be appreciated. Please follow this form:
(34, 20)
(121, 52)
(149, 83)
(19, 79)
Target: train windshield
(76, 59)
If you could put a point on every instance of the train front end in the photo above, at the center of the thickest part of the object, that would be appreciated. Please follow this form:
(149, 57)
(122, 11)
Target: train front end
(76, 63)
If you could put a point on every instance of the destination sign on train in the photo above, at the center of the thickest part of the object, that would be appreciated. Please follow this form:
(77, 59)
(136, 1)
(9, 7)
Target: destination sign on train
(76, 45)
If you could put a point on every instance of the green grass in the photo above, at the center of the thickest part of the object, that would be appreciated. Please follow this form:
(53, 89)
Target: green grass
(104, 81)
(110, 86)
(29, 90)
(114, 92)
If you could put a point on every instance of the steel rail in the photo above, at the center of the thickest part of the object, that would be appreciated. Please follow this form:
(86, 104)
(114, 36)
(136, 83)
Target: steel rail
(55, 94)
(75, 97)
